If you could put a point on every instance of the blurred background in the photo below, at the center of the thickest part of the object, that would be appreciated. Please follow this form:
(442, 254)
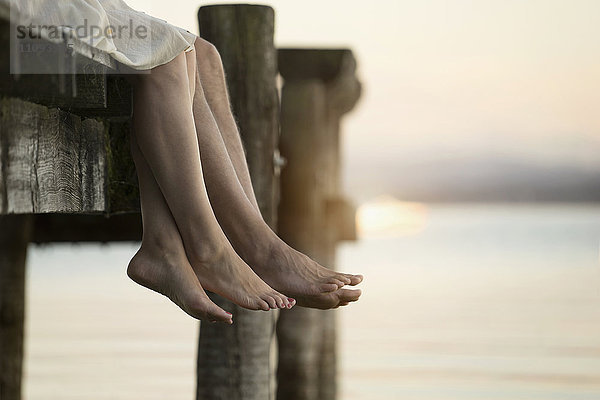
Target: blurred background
(473, 158)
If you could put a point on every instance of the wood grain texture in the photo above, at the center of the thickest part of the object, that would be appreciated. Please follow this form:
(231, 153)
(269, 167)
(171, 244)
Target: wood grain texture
(50, 160)
(119, 102)
(234, 362)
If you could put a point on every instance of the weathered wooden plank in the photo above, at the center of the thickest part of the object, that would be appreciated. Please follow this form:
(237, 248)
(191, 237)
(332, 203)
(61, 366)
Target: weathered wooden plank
(119, 101)
(52, 161)
(15, 232)
(123, 193)
(87, 228)
(68, 92)
(234, 361)
(84, 88)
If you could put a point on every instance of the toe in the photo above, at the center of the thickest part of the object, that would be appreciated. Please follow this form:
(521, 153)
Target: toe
(280, 299)
(329, 287)
(337, 282)
(221, 316)
(341, 304)
(204, 309)
(287, 302)
(291, 302)
(355, 279)
(344, 278)
(263, 305)
(270, 301)
(348, 295)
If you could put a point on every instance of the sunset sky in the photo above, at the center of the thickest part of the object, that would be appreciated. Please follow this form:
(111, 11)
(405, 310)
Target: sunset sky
(452, 79)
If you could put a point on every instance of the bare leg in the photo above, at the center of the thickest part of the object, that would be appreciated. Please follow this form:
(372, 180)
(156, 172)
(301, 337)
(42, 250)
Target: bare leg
(212, 78)
(161, 263)
(166, 135)
(230, 191)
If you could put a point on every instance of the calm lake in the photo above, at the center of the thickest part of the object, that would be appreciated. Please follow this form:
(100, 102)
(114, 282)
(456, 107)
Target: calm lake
(459, 302)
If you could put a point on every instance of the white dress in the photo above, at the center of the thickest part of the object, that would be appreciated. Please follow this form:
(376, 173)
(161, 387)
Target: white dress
(131, 37)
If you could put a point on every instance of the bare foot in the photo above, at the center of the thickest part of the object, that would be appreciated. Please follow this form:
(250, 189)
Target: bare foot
(225, 273)
(296, 275)
(172, 276)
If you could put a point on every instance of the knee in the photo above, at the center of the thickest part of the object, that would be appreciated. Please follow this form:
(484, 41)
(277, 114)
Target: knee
(170, 74)
(207, 53)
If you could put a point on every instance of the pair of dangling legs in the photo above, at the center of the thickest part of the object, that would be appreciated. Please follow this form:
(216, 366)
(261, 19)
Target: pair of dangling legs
(202, 226)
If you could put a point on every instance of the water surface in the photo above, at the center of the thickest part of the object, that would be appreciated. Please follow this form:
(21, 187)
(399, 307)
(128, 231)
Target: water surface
(460, 302)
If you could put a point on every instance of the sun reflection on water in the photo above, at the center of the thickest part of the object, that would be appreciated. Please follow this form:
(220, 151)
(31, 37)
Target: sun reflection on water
(388, 216)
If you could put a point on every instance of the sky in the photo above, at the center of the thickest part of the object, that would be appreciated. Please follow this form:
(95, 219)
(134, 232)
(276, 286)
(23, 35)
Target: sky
(452, 79)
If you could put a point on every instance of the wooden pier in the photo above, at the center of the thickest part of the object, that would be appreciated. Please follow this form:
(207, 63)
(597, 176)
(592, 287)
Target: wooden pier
(66, 175)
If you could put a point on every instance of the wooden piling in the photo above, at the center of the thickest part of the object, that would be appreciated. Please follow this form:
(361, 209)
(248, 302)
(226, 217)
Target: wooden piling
(320, 87)
(234, 362)
(15, 232)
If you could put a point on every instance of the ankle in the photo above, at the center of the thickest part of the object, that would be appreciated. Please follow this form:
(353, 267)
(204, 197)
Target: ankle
(258, 250)
(206, 252)
(162, 247)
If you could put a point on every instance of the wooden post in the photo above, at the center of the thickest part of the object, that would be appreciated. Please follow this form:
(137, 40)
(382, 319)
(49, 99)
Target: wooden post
(320, 86)
(15, 231)
(234, 362)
